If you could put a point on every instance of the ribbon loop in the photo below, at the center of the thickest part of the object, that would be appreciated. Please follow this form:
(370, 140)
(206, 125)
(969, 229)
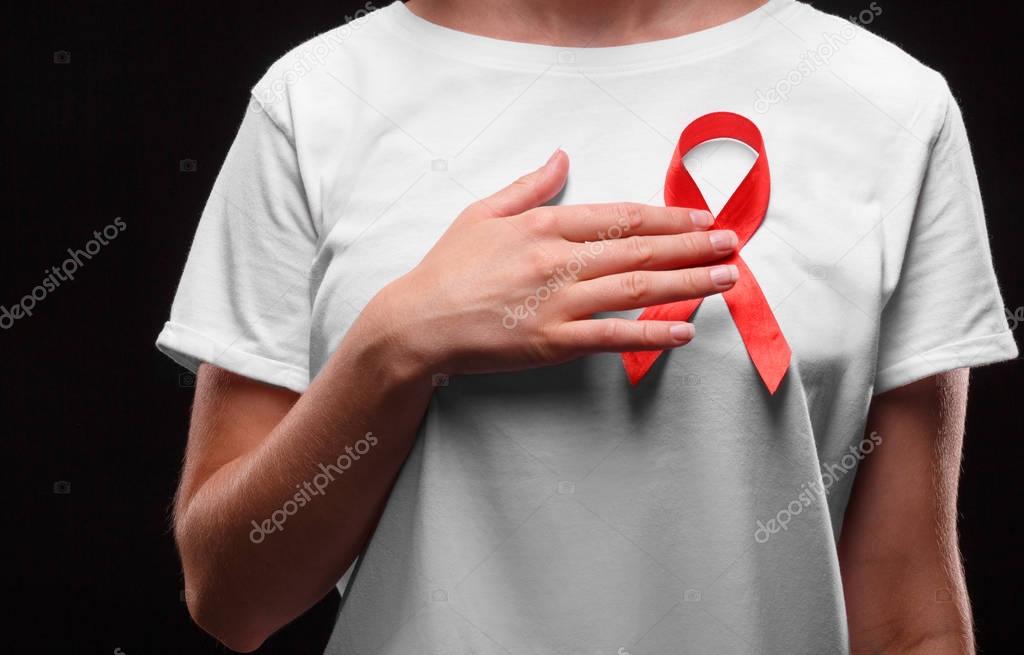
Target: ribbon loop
(743, 213)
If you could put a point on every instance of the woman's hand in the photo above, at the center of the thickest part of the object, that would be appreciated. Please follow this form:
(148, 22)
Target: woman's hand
(513, 284)
(509, 286)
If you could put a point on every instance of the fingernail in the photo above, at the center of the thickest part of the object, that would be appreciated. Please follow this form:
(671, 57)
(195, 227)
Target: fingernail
(724, 276)
(681, 332)
(553, 156)
(701, 218)
(723, 240)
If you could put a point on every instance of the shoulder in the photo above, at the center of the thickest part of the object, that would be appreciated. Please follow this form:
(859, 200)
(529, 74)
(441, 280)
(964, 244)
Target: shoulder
(320, 65)
(873, 73)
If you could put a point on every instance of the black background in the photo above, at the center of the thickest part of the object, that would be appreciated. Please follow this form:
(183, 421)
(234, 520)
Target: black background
(88, 400)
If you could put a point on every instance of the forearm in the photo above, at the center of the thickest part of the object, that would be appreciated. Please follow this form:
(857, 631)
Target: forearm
(902, 599)
(251, 453)
(245, 582)
(902, 576)
(907, 608)
(946, 643)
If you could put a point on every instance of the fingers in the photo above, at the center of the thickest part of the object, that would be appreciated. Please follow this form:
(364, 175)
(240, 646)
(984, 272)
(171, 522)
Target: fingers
(652, 253)
(638, 289)
(530, 191)
(621, 335)
(598, 222)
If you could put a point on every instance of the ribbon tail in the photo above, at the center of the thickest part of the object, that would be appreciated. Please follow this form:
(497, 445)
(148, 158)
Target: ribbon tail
(772, 362)
(743, 213)
(761, 334)
(638, 363)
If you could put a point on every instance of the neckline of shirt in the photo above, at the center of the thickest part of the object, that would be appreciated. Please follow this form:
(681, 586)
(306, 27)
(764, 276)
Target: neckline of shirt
(499, 53)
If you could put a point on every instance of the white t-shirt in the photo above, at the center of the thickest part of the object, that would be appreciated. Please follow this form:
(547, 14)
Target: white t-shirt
(561, 510)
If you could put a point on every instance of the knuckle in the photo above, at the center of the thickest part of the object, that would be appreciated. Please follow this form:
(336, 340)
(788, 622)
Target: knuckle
(648, 333)
(588, 214)
(611, 331)
(694, 282)
(477, 208)
(548, 344)
(678, 218)
(694, 246)
(542, 220)
(523, 183)
(542, 260)
(631, 215)
(635, 285)
(641, 251)
(525, 186)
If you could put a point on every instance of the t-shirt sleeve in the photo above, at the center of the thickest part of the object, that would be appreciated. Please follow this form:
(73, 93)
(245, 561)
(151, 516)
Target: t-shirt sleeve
(243, 300)
(946, 311)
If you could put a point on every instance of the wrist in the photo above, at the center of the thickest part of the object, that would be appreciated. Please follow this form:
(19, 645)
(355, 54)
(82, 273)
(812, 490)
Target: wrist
(387, 332)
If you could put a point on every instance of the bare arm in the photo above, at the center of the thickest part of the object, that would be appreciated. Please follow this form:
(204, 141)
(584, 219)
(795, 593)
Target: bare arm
(253, 448)
(902, 575)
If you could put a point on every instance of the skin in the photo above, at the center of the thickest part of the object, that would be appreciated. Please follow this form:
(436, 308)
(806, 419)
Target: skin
(902, 575)
(250, 444)
(581, 23)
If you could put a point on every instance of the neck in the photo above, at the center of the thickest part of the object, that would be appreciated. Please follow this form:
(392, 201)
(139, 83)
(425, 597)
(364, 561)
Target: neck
(581, 23)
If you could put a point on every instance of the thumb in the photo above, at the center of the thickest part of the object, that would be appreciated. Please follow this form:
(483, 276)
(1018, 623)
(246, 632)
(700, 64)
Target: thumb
(529, 191)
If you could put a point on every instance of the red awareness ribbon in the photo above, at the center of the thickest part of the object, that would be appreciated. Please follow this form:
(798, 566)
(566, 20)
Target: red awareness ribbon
(743, 214)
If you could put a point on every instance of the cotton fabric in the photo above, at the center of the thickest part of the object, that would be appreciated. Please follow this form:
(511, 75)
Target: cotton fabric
(561, 510)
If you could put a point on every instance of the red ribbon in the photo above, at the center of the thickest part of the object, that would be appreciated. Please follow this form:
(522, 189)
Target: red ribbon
(743, 214)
